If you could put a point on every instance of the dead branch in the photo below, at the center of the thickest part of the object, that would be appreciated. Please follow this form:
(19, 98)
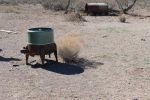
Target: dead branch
(67, 7)
(128, 7)
(8, 31)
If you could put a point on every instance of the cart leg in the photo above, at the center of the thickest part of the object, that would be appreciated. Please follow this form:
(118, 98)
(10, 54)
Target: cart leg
(49, 55)
(42, 56)
(27, 57)
(55, 52)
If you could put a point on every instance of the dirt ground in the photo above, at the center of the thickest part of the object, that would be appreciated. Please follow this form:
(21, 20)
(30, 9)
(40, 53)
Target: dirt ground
(119, 53)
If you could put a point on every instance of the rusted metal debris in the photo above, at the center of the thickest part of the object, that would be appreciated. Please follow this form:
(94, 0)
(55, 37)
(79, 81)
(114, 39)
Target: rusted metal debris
(96, 8)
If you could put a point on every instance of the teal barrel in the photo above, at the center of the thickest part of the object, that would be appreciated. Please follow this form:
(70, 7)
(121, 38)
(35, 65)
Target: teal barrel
(40, 36)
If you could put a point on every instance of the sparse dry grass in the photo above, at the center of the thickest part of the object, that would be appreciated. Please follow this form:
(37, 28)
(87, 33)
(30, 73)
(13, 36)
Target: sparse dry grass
(10, 8)
(75, 17)
(79, 4)
(69, 46)
(55, 4)
(10, 2)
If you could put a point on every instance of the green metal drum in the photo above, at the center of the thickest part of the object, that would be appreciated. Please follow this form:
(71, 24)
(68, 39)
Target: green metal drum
(40, 36)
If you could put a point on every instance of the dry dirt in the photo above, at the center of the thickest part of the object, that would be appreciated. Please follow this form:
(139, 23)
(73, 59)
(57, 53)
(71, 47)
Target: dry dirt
(119, 51)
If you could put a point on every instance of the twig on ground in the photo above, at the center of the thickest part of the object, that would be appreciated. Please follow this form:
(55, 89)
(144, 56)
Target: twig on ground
(7, 31)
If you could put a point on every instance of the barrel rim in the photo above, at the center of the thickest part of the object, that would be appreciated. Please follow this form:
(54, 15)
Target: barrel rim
(97, 4)
(40, 43)
(40, 29)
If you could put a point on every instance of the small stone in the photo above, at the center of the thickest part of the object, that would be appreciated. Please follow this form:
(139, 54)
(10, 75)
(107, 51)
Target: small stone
(75, 97)
(143, 40)
(141, 17)
(15, 65)
(104, 36)
(135, 99)
(129, 83)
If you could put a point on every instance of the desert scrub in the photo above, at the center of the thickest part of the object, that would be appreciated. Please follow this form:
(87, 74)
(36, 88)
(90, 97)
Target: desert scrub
(114, 29)
(69, 47)
(8, 2)
(74, 4)
(10, 8)
(54, 4)
(75, 17)
(122, 18)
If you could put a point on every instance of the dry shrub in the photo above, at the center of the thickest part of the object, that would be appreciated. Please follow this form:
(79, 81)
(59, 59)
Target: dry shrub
(8, 2)
(69, 47)
(54, 4)
(78, 4)
(122, 18)
(76, 17)
(28, 1)
(10, 8)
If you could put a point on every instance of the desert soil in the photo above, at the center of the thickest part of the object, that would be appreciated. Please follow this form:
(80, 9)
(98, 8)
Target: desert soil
(120, 53)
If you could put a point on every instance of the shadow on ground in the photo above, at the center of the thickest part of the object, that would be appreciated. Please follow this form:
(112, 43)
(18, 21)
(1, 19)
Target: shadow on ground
(71, 68)
(8, 59)
(61, 68)
(85, 63)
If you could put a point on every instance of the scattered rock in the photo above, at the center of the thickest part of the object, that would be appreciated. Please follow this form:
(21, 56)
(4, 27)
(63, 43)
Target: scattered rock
(129, 83)
(143, 40)
(135, 99)
(140, 68)
(33, 62)
(104, 36)
(15, 65)
(142, 18)
(11, 69)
